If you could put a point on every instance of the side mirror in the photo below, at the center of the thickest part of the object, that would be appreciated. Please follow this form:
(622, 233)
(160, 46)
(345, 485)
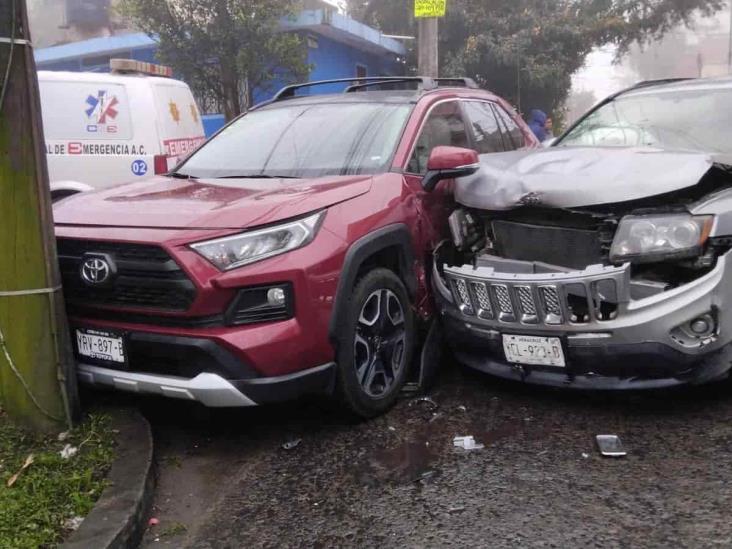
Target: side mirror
(449, 163)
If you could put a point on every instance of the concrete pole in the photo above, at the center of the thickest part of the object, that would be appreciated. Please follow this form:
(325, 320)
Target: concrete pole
(37, 383)
(427, 47)
(729, 47)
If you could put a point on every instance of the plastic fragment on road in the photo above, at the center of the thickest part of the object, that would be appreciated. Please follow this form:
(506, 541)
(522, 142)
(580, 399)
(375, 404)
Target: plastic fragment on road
(69, 451)
(426, 400)
(292, 444)
(610, 446)
(462, 408)
(73, 523)
(467, 443)
(153, 522)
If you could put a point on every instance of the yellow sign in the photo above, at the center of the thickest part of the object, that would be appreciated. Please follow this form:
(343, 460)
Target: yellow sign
(430, 8)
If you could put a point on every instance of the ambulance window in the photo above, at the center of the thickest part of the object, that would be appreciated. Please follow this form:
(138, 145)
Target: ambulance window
(85, 111)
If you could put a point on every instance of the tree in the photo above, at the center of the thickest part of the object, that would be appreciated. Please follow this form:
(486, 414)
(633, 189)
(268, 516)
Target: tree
(528, 50)
(224, 49)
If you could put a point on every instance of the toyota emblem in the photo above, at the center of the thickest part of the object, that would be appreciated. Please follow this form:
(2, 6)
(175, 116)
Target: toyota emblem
(95, 271)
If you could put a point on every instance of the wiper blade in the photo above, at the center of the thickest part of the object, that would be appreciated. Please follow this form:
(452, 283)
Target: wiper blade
(178, 175)
(257, 176)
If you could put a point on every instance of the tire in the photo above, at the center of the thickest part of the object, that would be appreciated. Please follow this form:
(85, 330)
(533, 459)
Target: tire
(375, 344)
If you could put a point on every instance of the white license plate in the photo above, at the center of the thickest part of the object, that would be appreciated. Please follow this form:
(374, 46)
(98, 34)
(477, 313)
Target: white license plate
(534, 350)
(100, 345)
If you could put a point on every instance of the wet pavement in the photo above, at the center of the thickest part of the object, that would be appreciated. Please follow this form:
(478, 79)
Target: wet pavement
(225, 480)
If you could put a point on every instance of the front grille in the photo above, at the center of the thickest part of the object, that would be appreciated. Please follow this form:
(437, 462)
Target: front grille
(568, 247)
(578, 298)
(146, 278)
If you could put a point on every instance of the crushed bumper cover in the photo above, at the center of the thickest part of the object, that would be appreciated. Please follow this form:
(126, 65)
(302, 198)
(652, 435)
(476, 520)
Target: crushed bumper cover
(642, 345)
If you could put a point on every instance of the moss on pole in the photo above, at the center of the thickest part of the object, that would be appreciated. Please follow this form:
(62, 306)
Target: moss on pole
(37, 386)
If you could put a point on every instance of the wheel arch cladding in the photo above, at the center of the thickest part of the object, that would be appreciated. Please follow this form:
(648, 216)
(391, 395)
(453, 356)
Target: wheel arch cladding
(361, 251)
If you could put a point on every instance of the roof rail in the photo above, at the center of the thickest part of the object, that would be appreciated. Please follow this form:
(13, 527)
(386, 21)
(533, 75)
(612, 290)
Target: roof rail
(425, 83)
(458, 82)
(657, 82)
(390, 82)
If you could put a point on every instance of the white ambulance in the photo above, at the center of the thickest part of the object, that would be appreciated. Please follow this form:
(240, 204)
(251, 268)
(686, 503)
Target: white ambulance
(104, 129)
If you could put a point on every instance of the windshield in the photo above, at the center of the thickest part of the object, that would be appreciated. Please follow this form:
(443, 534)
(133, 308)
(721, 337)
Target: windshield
(698, 120)
(303, 141)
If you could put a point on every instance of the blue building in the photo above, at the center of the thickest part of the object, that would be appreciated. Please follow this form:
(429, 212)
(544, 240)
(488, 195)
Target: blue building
(337, 47)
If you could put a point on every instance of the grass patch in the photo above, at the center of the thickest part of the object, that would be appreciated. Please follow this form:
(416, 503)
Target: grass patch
(34, 511)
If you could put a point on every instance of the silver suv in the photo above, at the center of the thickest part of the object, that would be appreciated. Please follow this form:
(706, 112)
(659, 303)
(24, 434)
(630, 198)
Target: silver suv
(600, 262)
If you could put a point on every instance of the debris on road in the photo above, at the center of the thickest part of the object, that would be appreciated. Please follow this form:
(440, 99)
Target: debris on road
(73, 523)
(69, 451)
(292, 444)
(456, 509)
(153, 521)
(610, 446)
(467, 443)
(585, 455)
(427, 400)
(63, 436)
(28, 462)
(462, 408)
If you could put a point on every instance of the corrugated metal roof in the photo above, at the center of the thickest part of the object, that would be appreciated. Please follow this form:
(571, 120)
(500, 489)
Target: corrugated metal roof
(94, 46)
(326, 22)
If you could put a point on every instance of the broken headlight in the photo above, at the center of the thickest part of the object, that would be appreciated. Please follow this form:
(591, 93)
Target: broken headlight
(649, 238)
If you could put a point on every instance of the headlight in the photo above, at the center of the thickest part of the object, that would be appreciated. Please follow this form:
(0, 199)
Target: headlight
(648, 238)
(242, 249)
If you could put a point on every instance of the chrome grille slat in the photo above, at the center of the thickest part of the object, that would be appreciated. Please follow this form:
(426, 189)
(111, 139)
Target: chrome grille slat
(463, 296)
(541, 299)
(552, 308)
(525, 297)
(503, 299)
(485, 309)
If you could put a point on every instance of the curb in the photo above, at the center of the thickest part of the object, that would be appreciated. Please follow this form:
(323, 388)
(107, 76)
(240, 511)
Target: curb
(117, 521)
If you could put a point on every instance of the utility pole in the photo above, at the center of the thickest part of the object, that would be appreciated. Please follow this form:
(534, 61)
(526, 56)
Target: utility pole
(37, 380)
(729, 47)
(427, 47)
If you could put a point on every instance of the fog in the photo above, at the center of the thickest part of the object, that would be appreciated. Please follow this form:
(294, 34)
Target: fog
(701, 49)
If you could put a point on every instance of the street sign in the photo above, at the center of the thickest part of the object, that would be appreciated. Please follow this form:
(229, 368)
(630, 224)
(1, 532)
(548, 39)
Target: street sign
(430, 8)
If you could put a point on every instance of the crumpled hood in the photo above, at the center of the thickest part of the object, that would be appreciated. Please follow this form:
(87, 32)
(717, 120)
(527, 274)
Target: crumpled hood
(164, 202)
(565, 177)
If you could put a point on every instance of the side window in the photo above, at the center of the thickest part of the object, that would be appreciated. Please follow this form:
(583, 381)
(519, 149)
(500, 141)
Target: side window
(515, 134)
(486, 133)
(444, 126)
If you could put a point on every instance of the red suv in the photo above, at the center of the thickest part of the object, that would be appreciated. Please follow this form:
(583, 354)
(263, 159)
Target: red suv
(288, 255)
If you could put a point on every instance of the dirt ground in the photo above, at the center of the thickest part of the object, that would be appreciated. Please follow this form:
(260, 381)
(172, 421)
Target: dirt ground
(225, 480)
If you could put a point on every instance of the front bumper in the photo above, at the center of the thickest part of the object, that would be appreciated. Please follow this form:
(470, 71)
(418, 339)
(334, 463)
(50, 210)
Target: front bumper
(645, 343)
(199, 369)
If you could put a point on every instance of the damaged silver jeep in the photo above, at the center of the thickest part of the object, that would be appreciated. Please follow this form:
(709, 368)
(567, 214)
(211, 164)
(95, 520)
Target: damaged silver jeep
(604, 261)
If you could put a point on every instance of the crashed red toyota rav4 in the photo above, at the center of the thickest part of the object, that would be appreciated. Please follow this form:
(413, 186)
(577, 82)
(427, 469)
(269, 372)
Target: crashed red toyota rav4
(288, 255)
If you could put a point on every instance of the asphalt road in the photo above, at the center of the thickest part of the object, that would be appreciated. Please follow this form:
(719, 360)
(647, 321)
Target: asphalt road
(227, 482)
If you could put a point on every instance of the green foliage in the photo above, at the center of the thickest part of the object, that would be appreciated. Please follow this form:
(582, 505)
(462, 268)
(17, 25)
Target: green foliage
(52, 489)
(527, 50)
(222, 48)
